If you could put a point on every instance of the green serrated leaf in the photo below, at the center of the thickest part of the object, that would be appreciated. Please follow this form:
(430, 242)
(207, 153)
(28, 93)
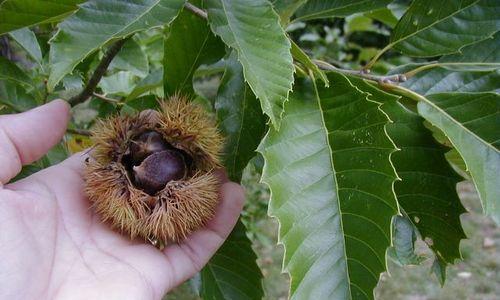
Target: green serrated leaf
(85, 31)
(73, 85)
(131, 58)
(104, 109)
(16, 97)
(136, 105)
(286, 8)
(121, 83)
(427, 189)
(27, 39)
(232, 272)
(11, 72)
(384, 15)
(243, 124)
(263, 49)
(436, 27)
(440, 80)
(484, 55)
(208, 70)
(331, 182)
(153, 43)
(15, 14)
(302, 57)
(317, 9)
(153, 81)
(358, 22)
(240, 119)
(452, 155)
(189, 43)
(27, 171)
(404, 237)
(439, 269)
(398, 7)
(471, 123)
(57, 154)
(458, 163)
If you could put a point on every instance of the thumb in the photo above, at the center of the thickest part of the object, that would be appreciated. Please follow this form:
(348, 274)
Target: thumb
(27, 136)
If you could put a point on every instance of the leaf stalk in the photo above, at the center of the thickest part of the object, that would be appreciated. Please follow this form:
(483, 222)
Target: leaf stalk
(196, 10)
(388, 79)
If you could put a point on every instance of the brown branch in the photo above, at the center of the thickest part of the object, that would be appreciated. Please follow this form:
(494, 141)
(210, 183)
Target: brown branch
(98, 73)
(196, 10)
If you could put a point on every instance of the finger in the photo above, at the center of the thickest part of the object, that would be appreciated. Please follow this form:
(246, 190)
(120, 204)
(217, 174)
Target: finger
(193, 253)
(221, 175)
(75, 162)
(64, 182)
(27, 136)
(71, 169)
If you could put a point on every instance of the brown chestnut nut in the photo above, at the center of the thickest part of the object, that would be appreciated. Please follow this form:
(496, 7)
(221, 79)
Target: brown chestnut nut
(158, 169)
(145, 144)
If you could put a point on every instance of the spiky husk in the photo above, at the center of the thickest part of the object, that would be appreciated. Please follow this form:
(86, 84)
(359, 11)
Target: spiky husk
(187, 126)
(182, 206)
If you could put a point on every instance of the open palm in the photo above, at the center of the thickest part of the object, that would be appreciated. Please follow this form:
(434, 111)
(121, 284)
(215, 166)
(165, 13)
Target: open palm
(53, 246)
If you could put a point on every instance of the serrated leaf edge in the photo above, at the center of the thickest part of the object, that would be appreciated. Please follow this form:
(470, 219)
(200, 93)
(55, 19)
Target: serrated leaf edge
(396, 178)
(51, 84)
(275, 122)
(430, 103)
(459, 50)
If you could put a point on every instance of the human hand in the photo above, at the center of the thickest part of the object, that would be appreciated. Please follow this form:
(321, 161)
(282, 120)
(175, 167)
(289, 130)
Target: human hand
(52, 245)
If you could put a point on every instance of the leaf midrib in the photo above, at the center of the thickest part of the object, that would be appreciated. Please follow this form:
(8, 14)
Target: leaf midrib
(327, 138)
(432, 24)
(200, 50)
(241, 124)
(218, 281)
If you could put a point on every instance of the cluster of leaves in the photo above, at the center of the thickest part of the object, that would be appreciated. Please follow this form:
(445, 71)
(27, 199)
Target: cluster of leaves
(358, 165)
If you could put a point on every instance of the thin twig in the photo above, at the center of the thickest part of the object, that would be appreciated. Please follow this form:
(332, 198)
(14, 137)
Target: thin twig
(370, 64)
(79, 131)
(98, 73)
(107, 99)
(396, 78)
(196, 10)
(388, 83)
